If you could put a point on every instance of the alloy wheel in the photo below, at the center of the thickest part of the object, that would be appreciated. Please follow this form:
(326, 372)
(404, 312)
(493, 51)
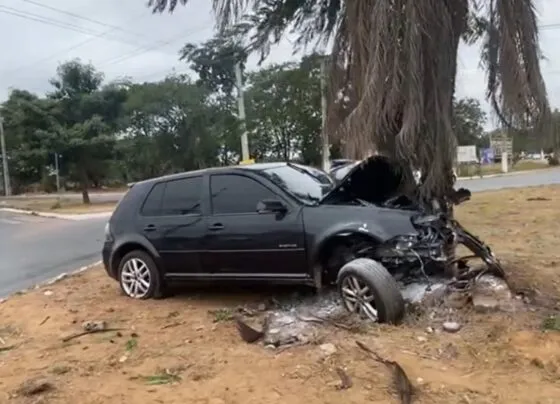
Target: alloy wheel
(136, 278)
(358, 298)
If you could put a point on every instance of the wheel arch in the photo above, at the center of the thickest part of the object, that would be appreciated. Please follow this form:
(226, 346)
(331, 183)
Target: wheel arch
(132, 243)
(325, 245)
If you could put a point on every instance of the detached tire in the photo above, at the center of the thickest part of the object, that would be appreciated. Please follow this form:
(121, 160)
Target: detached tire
(139, 276)
(367, 288)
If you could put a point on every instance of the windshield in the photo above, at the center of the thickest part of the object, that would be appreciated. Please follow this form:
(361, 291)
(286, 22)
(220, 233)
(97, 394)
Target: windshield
(342, 171)
(306, 183)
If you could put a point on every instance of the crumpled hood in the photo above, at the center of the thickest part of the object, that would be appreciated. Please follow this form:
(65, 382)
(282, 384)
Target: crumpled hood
(374, 180)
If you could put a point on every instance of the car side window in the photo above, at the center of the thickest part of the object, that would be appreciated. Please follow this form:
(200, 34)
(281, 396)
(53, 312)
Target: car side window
(152, 204)
(236, 194)
(182, 197)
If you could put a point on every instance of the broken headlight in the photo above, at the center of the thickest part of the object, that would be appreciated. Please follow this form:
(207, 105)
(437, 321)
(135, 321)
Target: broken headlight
(403, 242)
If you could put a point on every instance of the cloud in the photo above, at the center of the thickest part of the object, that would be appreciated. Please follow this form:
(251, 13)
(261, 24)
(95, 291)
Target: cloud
(123, 38)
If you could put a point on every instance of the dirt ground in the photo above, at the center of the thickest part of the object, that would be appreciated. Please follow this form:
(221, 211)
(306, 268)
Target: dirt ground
(58, 205)
(181, 350)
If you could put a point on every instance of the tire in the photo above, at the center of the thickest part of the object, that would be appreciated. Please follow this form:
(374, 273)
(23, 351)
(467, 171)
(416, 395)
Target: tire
(386, 297)
(150, 274)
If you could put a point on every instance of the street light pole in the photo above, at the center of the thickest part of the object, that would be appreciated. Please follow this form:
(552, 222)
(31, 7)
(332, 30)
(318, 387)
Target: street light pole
(5, 171)
(57, 172)
(241, 106)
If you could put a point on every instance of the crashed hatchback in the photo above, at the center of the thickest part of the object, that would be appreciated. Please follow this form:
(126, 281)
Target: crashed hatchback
(291, 224)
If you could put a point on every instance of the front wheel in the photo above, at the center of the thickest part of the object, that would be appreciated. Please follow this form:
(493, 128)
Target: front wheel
(368, 289)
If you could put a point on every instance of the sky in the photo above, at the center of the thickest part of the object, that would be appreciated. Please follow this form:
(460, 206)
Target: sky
(123, 38)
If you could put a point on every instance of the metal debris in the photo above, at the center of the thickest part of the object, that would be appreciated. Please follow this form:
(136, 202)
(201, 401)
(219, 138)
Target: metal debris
(248, 333)
(401, 382)
(345, 381)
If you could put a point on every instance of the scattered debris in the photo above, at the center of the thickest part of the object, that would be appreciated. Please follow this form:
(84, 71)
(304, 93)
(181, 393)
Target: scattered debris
(94, 325)
(327, 349)
(402, 383)
(248, 333)
(44, 320)
(7, 348)
(91, 331)
(538, 198)
(172, 325)
(34, 386)
(163, 377)
(451, 326)
(345, 381)
(48, 292)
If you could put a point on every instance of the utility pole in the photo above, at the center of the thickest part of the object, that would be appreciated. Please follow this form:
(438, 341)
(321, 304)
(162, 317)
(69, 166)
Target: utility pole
(324, 134)
(5, 171)
(56, 167)
(241, 106)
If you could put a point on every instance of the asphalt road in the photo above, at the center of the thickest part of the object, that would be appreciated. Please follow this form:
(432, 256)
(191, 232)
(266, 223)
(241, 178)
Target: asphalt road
(519, 180)
(34, 249)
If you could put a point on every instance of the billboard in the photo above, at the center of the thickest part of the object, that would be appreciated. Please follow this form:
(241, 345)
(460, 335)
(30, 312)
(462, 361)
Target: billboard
(466, 154)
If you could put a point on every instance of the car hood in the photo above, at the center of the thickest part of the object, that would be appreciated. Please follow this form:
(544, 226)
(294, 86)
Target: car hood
(374, 180)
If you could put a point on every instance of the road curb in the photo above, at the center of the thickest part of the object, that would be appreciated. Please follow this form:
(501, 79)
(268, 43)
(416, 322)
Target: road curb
(52, 281)
(65, 216)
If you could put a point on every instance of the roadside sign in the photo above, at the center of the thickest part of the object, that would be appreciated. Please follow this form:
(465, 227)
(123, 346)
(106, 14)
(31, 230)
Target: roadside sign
(466, 154)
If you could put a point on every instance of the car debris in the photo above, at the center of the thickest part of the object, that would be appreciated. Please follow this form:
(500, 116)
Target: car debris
(402, 384)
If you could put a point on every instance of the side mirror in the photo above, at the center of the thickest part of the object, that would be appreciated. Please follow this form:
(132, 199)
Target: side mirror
(271, 206)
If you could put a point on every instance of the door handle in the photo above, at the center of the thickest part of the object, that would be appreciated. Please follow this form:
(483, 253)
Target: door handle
(150, 227)
(216, 226)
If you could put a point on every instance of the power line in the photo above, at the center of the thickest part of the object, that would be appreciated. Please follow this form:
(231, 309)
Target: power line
(55, 23)
(143, 49)
(84, 18)
(65, 50)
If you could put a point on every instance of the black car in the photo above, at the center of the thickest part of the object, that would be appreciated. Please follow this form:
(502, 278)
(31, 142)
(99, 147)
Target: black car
(275, 223)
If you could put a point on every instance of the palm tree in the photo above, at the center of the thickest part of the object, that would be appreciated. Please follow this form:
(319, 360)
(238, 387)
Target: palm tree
(394, 64)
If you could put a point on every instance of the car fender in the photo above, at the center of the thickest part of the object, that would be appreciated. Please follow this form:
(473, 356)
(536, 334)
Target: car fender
(133, 239)
(375, 233)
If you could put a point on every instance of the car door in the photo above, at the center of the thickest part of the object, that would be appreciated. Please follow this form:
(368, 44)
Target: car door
(172, 220)
(241, 242)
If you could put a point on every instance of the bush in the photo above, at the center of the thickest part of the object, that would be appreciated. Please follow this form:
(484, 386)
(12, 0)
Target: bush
(553, 161)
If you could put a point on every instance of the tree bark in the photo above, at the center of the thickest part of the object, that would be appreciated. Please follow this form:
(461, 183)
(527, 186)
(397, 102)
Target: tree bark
(84, 184)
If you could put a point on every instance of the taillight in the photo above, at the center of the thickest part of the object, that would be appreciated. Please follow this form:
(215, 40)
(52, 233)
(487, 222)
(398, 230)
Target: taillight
(108, 234)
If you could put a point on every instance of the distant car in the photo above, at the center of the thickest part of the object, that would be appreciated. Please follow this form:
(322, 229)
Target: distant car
(275, 222)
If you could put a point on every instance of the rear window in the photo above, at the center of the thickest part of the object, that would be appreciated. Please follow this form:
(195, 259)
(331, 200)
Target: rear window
(173, 198)
(152, 204)
(182, 197)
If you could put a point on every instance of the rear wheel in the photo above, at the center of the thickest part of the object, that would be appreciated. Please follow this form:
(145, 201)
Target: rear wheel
(368, 289)
(139, 276)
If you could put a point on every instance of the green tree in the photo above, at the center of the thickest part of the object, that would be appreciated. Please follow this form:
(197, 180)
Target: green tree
(30, 137)
(87, 118)
(284, 111)
(396, 62)
(468, 121)
(169, 129)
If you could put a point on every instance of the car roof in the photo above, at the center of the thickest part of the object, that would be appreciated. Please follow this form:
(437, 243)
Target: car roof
(213, 170)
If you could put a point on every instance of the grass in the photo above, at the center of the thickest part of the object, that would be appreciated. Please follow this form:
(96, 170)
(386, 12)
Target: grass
(57, 205)
(489, 169)
(185, 350)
